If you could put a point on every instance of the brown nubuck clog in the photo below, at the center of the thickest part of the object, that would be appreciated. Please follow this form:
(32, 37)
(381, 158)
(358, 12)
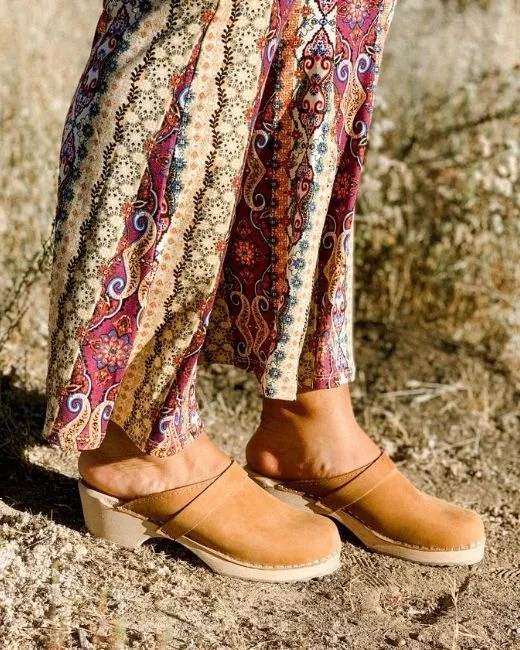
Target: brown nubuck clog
(229, 522)
(388, 514)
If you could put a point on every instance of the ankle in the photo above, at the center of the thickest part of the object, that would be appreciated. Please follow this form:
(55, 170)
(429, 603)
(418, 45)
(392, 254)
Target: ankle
(120, 468)
(315, 436)
(115, 446)
(287, 454)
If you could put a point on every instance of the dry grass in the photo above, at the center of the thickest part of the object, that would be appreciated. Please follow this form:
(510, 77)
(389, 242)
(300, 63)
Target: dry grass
(437, 337)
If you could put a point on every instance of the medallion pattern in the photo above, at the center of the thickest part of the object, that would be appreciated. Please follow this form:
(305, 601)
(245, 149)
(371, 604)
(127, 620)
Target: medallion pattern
(209, 170)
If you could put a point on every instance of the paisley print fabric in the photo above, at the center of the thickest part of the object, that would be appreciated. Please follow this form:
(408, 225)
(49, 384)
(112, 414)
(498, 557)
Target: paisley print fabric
(209, 170)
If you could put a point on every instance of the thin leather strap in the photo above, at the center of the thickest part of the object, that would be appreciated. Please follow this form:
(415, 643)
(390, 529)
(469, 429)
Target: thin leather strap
(165, 504)
(192, 515)
(308, 485)
(371, 478)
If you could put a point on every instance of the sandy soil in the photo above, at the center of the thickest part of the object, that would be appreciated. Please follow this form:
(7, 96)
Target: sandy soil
(447, 412)
(452, 428)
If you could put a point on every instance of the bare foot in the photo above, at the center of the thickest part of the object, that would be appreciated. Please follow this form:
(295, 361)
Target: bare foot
(314, 436)
(121, 469)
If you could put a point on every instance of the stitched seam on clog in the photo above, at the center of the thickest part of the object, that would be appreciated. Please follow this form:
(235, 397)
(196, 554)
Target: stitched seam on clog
(260, 566)
(230, 557)
(387, 539)
(407, 544)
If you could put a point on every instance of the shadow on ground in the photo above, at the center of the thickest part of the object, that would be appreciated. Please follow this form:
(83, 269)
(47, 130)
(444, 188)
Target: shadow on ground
(23, 485)
(32, 488)
(430, 401)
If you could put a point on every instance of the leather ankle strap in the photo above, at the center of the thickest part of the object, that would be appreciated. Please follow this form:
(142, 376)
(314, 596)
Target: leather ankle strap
(194, 513)
(369, 479)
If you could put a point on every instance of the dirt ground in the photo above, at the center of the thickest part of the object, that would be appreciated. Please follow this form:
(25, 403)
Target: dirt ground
(448, 417)
(447, 412)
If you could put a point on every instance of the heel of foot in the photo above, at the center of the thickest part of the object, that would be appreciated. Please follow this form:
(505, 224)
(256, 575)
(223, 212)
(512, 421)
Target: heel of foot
(104, 521)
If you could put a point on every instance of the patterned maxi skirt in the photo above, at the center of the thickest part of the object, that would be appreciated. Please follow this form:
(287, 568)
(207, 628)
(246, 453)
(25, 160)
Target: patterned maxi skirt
(209, 170)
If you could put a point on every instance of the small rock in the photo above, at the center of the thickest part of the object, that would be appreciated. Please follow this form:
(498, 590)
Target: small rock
(396, 642)
(84, 643)
(369, 601)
